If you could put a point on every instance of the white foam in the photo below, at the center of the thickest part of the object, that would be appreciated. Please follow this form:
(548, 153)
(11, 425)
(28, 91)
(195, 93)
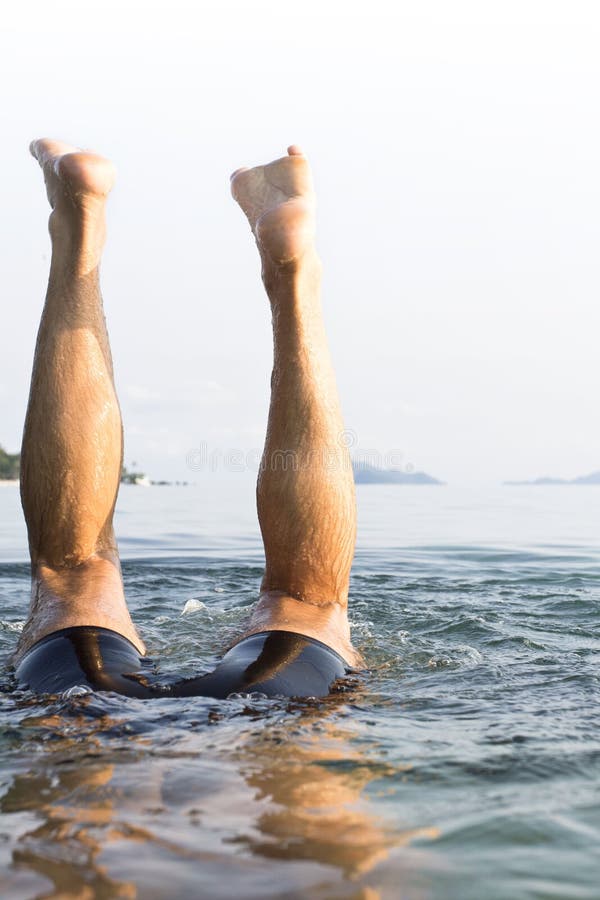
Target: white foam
(12, 626)
(192, 605)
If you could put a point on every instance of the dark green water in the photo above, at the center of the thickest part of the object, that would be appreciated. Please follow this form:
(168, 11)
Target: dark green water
(466, 765)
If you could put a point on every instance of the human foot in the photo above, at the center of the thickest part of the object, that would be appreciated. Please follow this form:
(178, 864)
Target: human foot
(279, 203)
(77, 184)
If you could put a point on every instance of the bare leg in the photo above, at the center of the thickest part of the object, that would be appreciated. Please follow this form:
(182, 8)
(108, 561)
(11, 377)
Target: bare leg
(72, 443)
(306, 504)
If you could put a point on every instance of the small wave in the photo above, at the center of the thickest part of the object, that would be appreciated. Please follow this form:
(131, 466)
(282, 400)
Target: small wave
(16, 627)
(462, 656)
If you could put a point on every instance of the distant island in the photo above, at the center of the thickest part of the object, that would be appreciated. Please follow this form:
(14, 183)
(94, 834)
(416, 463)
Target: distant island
(140, 478)
(364, 473)
(592, 478)
(10, 464)
(367, 474)
(128, 477)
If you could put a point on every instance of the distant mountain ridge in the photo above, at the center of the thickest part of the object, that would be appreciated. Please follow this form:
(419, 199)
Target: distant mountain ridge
(367, 474)
(592, 478)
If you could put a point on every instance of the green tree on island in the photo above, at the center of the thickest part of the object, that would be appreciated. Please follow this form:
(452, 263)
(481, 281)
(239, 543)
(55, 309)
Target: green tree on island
(10, 464)
(128, 477)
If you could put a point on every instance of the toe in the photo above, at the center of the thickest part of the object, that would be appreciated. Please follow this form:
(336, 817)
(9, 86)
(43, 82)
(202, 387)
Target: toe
(46, 150)
(238, 172)
(295, 150)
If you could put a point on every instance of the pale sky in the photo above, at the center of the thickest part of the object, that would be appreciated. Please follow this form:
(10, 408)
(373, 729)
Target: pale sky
(456, 150)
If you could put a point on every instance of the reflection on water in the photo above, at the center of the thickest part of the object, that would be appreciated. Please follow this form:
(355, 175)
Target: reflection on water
(106, 813)
(313, 777)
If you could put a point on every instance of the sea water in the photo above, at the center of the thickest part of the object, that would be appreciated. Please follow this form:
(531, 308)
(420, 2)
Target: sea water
(464, 764)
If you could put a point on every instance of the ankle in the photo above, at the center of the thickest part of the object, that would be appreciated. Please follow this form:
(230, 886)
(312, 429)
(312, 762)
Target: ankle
(278, 611)
(78, 238)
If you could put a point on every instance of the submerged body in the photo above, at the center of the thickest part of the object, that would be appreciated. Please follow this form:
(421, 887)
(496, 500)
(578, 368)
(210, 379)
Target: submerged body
(273, 663)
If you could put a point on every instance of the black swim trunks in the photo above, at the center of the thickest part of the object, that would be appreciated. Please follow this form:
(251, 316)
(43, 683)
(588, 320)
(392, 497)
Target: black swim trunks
(273, 663)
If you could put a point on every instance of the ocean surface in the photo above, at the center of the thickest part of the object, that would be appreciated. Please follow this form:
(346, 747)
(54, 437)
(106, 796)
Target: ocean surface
(465, 764)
